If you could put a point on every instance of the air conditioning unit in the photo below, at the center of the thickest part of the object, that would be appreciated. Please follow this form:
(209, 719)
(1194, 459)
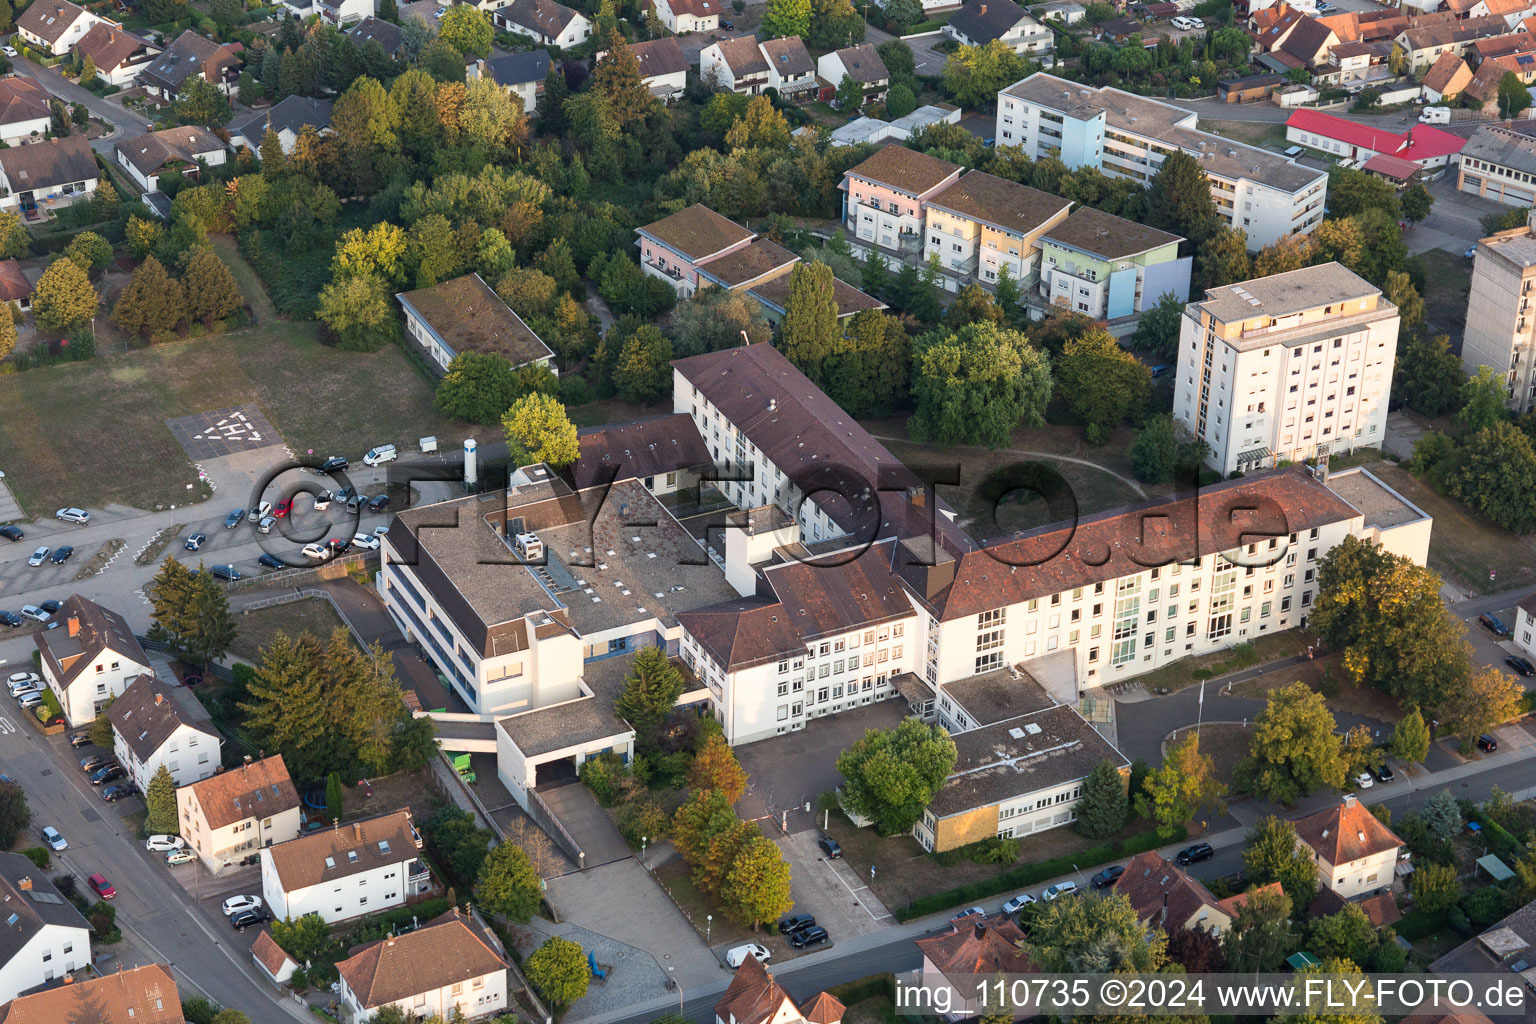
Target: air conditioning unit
(528, 546)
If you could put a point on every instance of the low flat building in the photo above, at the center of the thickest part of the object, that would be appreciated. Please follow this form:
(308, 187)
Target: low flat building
(1356, 143)
(986, 21)
(1499, 164)
(521, 74)
(288, 118)
(1354, 852)
(1249, 88)
(544, 21)
(663, 67)
(136, 995)
(466, 315)
(91, 658)
(861, 63)
(345, 871)
(230, 815)
(45, 937)
(451, 965)
(1107, 267)
(24, 111)
(157, 724)
(180, 151)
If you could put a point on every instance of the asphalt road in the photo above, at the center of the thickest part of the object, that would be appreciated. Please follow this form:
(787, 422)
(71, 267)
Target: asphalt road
(128, 124)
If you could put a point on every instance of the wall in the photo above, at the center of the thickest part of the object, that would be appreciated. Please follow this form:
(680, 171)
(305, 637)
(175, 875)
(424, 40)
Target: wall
(342, 899)
(963, 828)
(26, 969)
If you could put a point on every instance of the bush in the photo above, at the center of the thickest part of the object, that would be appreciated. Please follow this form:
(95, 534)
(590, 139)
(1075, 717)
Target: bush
(574, 391)
(1417, 924)
(1485, 906)
(1458, 921)
(39, 856)
(299, 979)
(876, 985)
(604, 776)
(642, 818)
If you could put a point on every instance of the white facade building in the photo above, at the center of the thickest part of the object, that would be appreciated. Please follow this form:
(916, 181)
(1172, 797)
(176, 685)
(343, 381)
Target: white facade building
(157, 724)
(449, 966)
(89, 659)
(1501, 324)
(226, 817)
(1354, 852)
(45, 938)
(1286, 368)
(344, 872)
(1524, 626)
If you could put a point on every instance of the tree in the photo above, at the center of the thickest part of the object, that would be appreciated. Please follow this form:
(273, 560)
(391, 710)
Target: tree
(900, 100)
(15, 241)
(508, 884)
(643, 373)
(787, 18)
(760, 126)
(143, 236)
(1416, 202)
(14, 813)
(335, 797)
(1410, 740)
(1094, 936)
(91, 251)
(809, 331)
(1352, 192)
(1428, 376)
(1347, 933)
(650, 689)
(835, 23)
(478, 387)
(7, 331)
(1513, 95)
(1158, 330)
(210, 287)
(1157, 454)
(64, 297)
(1436, 888)
(1222, 258)
(467, 31)
(1442, 815)
(1260, 937)
(973, 75)
(875, 276)
(616, 77)
(756, 887)
(357, 313)
(715, 767)
(1272, 854)
(850, 95)
(1482, 401)
(558, 970)
(897, 55)
(866, 374)
(101, 728)
(892, 774)
(1487, 699)
(1103, 807)
(972, 306)
(1184, 785)
(304, 939)
(1294, 749)
(210, 628)
(160, 802)
(1402, 294)
(202, 103)
(152, 304)
(713, 319)
(702, 817)
(976, 385)
(1179, 199)
(1102, 382)
(58, 121)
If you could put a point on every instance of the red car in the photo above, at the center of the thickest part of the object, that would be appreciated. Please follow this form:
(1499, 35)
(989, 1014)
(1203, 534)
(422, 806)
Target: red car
(102, 887)
(283, 508)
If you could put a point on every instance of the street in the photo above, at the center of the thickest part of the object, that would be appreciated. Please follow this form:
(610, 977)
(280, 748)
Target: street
(128, 124)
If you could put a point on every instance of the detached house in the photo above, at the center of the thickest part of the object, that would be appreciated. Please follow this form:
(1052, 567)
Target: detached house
(973, 946)
(466, 315)
(155, 723)
(1424, 43)
(681, 16)
(1446, 78)
(138, 995)
(44, 938)
(345, 871)
(983, 21)
(14, 286)
(93, 656)
(735, 64)
(1165, 897)
(1354, 852)
(337, 12)
(543, 21)
(376, 30)
(191, 54)
(288, 118)
(451, 965)
(119, 55)
(790, 68)
(46, 173)
(23, 109)
(861, 63)
(883, 199)
(754, 997)
(228, 815)
(169, 151)
(520, 74)
(53, 26)
(663, 67)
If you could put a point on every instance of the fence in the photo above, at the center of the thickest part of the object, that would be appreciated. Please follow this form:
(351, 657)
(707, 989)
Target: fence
(546, 819)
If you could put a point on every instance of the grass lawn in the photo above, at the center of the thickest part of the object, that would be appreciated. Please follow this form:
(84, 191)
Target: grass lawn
(1448, 279)
(676, 878)
(1188, 671)
(1255, 133)
(1325, 676)
(1464, 546)
(257, 628)
(874, 1010)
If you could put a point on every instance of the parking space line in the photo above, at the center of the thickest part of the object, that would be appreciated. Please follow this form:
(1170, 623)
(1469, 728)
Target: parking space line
(854, 892)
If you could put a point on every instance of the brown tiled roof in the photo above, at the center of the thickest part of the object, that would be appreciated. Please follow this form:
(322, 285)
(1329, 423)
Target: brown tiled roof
(148, 153)
(660, 444)
(1161, 892)
(1527, 603)
(1381, 909)
(697, 8)
(1422, 35)
(849, 299)
(905, 169)
(697, 231)
(1002, 203)
(1234, 904)
(978, 946)
(742, 56)
(1308, 39)
(99, 628)
(139, 995)
(13, 282)
(658, 57)
(543, 16)
(47, 19)
(863, 64)
(753, 996)
(449, 950)
(1497, 46)
(343, 851)
(1104, 234)
(259, 789)
(109, 45)
(149, 710)
(788, 56)
(1345, 833)
(749, 631)
(45, 165)
(22, 99)
(190, 53)
(824, 1008)
(269, 954)
(470, 317)
(1445, 68)
(750, 262)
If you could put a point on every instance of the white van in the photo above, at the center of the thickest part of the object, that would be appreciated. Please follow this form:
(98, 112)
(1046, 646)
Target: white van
(1435, 115)
(1185, 24)
(382, 454)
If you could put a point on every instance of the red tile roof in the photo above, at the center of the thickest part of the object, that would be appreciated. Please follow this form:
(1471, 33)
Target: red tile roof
(1232, 905)
(449, 950)
(1160, 891)
(985, 946)
(269, 954)
(824, 1009)
(1345, 833)
(13, 282)
(753, 996)
(140, 995)
(256, 790)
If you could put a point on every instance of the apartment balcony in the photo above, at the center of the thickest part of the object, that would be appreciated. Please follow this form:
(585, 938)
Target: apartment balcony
(664, 270)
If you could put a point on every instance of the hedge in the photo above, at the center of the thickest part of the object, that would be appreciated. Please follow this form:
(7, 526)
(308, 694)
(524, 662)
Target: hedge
(1498, 838)
(1030, 874)
(1416, 924)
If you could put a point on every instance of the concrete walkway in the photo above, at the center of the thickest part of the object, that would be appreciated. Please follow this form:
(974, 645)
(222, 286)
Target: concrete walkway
(575, 807)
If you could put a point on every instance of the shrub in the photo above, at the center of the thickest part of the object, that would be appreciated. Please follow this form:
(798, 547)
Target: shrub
(299, 979)
(642, 817)
(1485, 906)
(604, 776)
(996, 850)
(1416, 924)
(39, 856)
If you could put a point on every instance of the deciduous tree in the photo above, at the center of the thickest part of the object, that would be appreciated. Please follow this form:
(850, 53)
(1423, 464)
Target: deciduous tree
(1294, 749)
(1513, 95)
(1184, 785)
(14, 813)
(1428, 376)
(973, 75)
(787, 18)
(202, 103)
(1102, 382)
(15, 242)
(558, 970)
(1179, 199)
(866, 374)
(715, 767)
(1094, 936)
(760, 126)
(976, 385)
(809, 332)
(756, 888)
(467, 30)
(64, 296)
(1410, 740)
(892, 774)
(479, 387)
(1272, 854)
(643, 373)
(1435, 887)
(1416, 202)
(1488, 698)
(357, 312)
(1260, 937)
(91, 251)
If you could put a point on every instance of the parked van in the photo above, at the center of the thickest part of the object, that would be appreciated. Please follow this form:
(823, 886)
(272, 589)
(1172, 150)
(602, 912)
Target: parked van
(383, 453)
(1435, 115)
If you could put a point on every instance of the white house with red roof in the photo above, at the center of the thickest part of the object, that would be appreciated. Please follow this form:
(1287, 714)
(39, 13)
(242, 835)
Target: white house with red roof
(1356, 143)
(1354, 852)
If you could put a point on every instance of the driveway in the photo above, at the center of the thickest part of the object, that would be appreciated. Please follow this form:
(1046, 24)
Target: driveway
(1454, 222)
(128, 125)
(832, 891)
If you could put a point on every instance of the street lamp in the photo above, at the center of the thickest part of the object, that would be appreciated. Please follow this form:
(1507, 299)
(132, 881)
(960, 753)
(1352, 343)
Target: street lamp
(709, 925)
(643, 841)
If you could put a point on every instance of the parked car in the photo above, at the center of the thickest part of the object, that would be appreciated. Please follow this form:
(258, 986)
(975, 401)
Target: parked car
(829, 847)
(1471, 251)
(1106, 878)
(53, 840)
(107, 773)
(1365, 780)
(1487, 744)
(1196, 853)
(322, 501)
(182, 856)
(26, 686)
(196, 541)
(969, 912)
(90, 762)
(1018, 903)
(366, 541)
(246, 918)
(271, 561)
(815, 935)
(101, 887)
(346, 494)
(337, 546)
(378, 503)
(737, 955)
(1493, 624)
(112, 794)
(380, 455)
(80, 739)
(10, 51)
(165, 844)
(1385, 774)
(381, 531)
(38, 557)
(1520, 665)
(73, 515)
(51, 607)
(11, 618)
(23, 677)
(334, 464)
(282, 508)
(240, 904)
(1059, 889)
(35, 613)
(61, 553)
(259, 512)
(29, 700)
(266, 524)
(315, 552)
(225, 572)
(791, 923)
(356, 503)
(11, 533)
(236, 515)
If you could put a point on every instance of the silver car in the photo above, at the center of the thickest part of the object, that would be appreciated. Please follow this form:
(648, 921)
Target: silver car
(38, 557)
(55, 841)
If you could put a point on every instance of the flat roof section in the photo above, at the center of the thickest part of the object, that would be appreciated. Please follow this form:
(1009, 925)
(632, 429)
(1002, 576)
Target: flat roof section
(1295, 291)
(1381, 505)
(999, 695)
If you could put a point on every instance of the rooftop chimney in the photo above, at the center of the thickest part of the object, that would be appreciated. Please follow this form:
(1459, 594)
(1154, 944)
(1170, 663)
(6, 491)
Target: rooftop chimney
(981, 928)
(74, 625)
(1349, 799)
(357, 830)
(159, 698)
(25, 885)
(983, 10)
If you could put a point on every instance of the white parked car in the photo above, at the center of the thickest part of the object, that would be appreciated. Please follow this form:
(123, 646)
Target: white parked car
(322, 501)
(10, 51)
(73, 515)
(1364, 781)
(1018, 903)
(235, 904)
(315, 552)
(365, 540)
(38, 557)
(55, 841)
(737, 956)
(1059, 889)
(380, 531)
(26, 686)
(380, 455)
(164, 844)
(21, 677)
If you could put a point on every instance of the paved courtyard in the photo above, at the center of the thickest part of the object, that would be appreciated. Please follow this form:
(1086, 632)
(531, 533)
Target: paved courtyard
(835, 892)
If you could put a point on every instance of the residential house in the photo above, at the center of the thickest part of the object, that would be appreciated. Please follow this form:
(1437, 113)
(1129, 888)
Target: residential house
(191, 54)
(982, 21)
(674, 247)
(1380, 908)
(46, 174)
(973, 947)
(1500, 330)
(157, 724)
(93, 656)
(982, 224)
(135, 995)
(1350, 64)
(1505, 948)
(1425, 145)
(544, 21)
(452, 965)
(45, 938)
(338, 13)
(345, 871)
(1164, 896)
(1354, 852)
(1424, 43)
(1445, 79)
(1524, 634)
(1309, 42)
(521, 74)
(169, 151)
(790, 68)
(231, 814)
(883, 200)
(679, 16)
(287, 117)
(1502, 46)
(862, 63)
(1262, 193)
(736, 65)
(663, 67)
(23, 109)
(466, 315)
(754, 997)
(1483, 90)
(14, 286)
(1512, 11)
(1109, 267)
(376, 30)
(53, 26)
(272, 959)
(1117, 30)
(119, 55)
